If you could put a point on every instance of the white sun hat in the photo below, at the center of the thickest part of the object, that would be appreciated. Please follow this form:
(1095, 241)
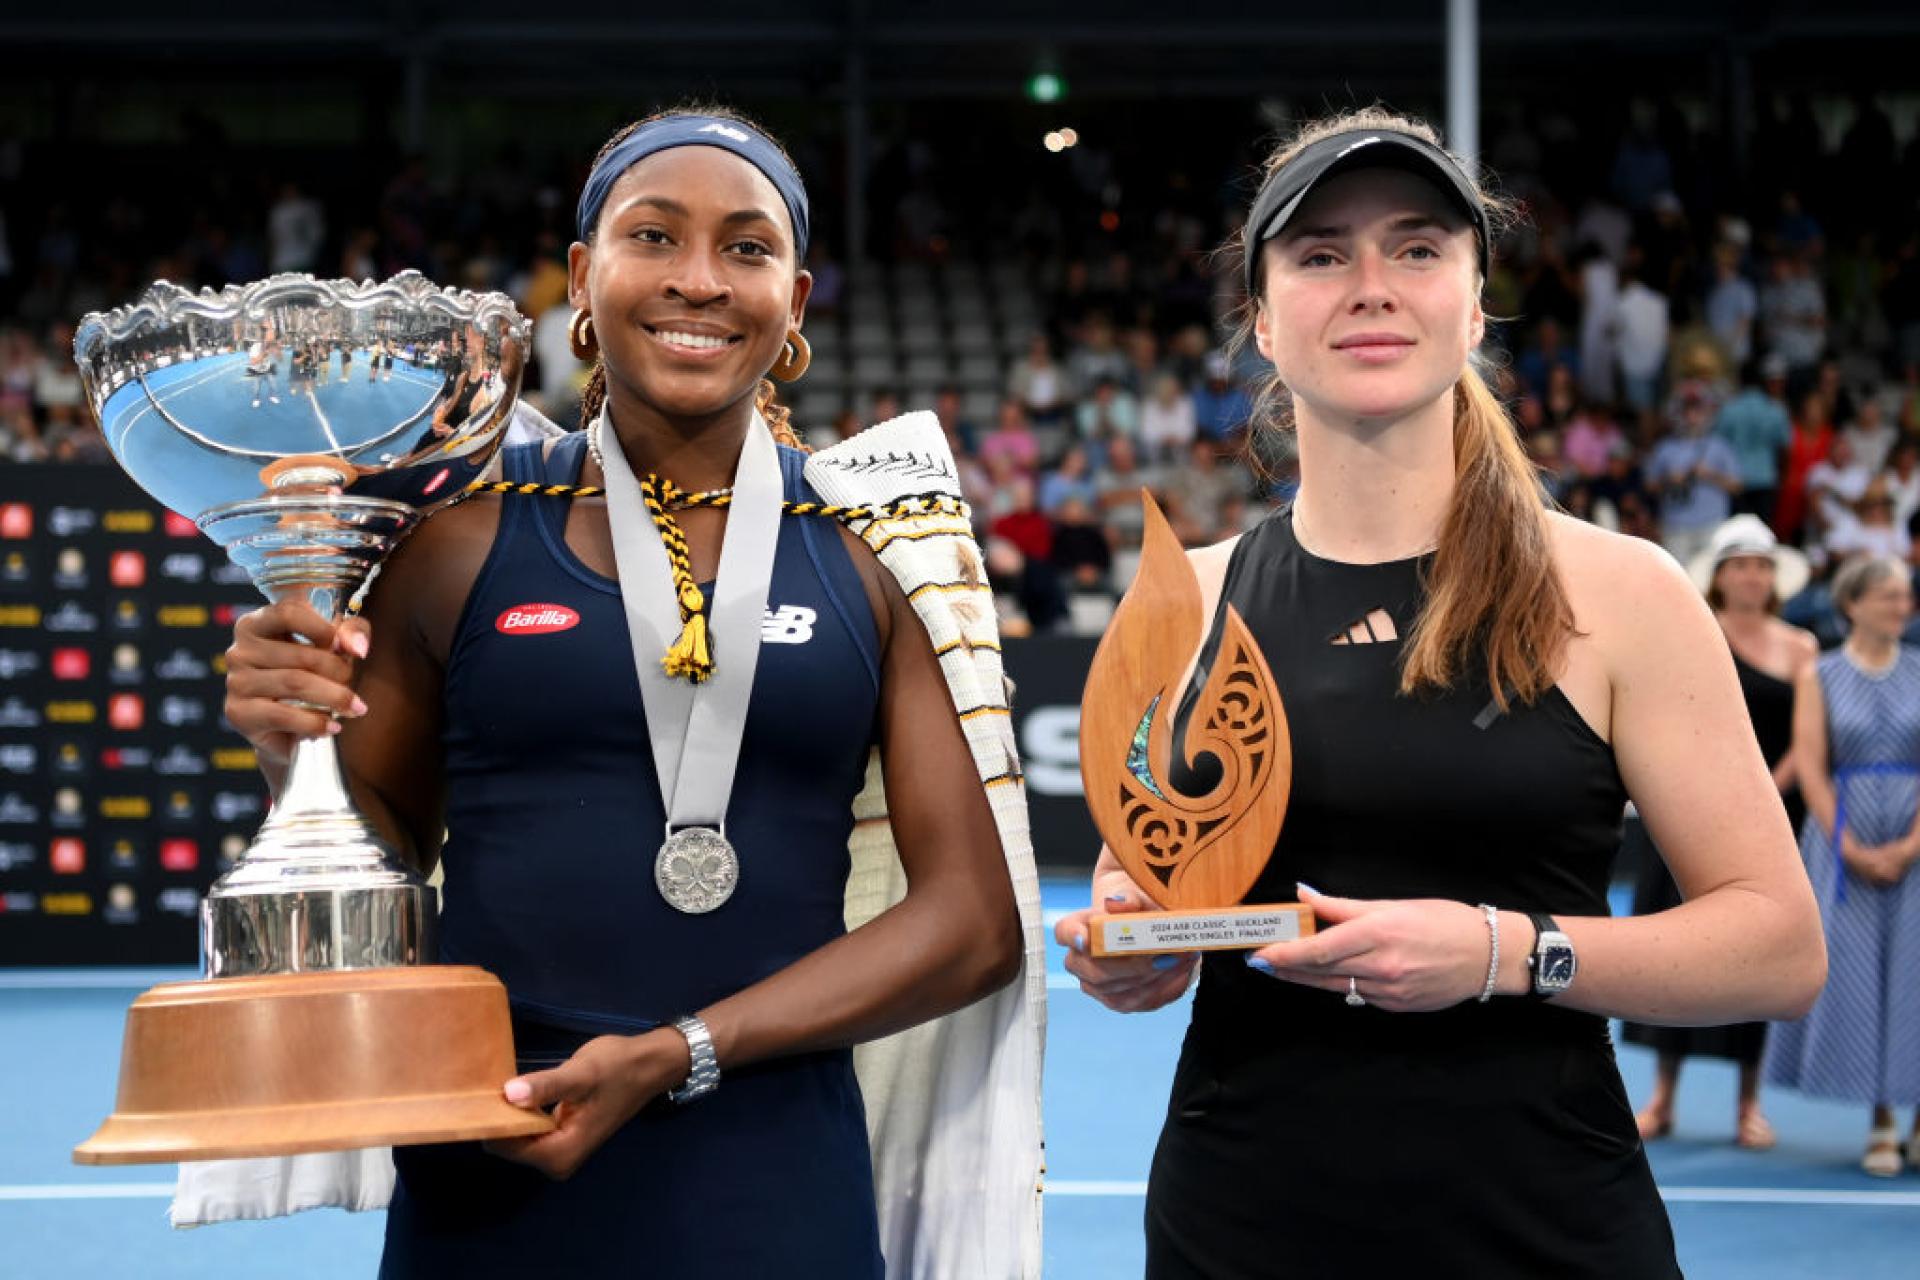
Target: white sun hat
(1748, 535)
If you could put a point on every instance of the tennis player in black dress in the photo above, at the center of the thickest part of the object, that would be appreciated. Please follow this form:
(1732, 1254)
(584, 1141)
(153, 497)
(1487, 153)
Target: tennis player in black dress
(1474, 687)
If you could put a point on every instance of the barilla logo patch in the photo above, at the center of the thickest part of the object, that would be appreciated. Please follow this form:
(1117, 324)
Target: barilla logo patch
(536, 620)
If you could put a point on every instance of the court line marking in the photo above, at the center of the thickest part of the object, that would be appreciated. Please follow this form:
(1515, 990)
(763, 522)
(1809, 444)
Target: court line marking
(1687, 1195)
(88, 1191)
(151, 398)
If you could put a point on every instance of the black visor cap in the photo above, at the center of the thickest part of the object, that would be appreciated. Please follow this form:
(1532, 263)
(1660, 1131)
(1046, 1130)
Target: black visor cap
(1284, 193)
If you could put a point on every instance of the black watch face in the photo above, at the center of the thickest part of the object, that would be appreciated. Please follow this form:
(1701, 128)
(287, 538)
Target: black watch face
(1556, 967)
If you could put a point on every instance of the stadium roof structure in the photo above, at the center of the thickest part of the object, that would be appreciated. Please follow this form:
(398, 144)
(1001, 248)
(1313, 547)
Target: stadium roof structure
(966, 48)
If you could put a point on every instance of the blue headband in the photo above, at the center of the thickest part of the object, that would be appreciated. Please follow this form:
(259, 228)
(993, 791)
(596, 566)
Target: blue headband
(743, 140)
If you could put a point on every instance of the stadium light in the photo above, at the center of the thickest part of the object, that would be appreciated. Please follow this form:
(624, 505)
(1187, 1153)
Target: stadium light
(1054, 142)
(1046, 86)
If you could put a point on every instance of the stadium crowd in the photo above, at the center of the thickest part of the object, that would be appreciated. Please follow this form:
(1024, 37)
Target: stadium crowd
(1672, 353)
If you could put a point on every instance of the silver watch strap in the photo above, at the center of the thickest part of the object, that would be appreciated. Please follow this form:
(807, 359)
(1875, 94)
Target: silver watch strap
(704, 1078)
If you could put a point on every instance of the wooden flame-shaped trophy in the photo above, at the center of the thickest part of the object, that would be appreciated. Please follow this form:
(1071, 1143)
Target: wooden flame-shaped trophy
(1196, 856)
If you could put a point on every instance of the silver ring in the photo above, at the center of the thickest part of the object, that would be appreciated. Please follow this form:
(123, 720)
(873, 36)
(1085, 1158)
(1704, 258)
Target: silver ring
(1354, 998)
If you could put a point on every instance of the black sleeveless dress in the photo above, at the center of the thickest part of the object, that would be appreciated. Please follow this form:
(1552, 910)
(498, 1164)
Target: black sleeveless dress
(1770, 708)
(1307, 1138)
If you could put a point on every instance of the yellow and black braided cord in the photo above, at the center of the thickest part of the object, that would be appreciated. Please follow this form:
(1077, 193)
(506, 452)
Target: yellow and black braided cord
(691, 656)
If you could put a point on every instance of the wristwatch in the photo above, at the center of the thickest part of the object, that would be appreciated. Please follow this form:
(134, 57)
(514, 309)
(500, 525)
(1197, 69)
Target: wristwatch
(1552, 963)
(704, 1078)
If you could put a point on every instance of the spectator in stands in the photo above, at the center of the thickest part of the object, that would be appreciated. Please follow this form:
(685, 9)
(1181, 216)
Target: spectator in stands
(948, 406)
(1756, 425)
(1070, 481)
(1793, 312)
(1197, 494)
(1111, 411)
(1081, 551)
(1120, 483)
(1221, 407)
(1834, 485)
(1696, 475)
(1732, 304)
(1867, 527)
(1023, 523)
(1038, 384)
(1167, 421)
(1871, 435)
(1855, 741)
(1641, 321)
(1903, 481)
(1812, 439)
(296, 228)
(1548, 350)
(1592, 440)
(1096, 357)
(1012, 441)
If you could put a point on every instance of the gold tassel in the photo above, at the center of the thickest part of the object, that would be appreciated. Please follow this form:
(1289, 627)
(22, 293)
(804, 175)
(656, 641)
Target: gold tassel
(691, 655)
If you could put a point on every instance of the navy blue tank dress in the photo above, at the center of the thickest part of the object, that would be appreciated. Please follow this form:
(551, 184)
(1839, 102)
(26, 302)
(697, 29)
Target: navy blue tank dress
(1485, 1141)
(554, 815)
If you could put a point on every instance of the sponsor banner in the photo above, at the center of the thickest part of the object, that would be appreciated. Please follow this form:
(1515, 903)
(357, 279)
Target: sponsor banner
(122, 793)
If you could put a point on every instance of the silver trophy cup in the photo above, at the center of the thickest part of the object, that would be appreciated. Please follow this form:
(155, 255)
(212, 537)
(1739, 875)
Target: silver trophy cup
(306, 426)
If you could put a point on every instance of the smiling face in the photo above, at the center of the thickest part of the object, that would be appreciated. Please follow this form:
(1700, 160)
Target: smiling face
(691, 281)
(1745, 582)
(1881, 611)
(1370, 297)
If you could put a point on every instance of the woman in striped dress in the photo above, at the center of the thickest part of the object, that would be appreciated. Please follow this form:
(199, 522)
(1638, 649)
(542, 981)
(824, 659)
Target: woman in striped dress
(1857, 740)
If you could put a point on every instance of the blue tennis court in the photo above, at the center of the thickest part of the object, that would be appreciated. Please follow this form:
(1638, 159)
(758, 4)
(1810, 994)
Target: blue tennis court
(1801, 1210)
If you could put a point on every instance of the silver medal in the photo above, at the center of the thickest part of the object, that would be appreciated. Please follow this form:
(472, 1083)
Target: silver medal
(696, 870)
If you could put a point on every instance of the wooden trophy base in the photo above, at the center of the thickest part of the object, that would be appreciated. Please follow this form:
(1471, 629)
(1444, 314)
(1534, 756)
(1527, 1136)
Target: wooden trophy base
(269, 1066)
(1146, 933)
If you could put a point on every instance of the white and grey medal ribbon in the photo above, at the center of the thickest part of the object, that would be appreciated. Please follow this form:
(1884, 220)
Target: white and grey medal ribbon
(696, 730)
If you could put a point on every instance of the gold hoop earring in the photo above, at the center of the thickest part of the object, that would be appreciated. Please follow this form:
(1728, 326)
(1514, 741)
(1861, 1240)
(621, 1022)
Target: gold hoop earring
(795, 356)
(580, 335)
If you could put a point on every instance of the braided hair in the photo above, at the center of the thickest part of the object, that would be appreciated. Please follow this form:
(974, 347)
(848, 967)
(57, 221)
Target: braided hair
(779, 417)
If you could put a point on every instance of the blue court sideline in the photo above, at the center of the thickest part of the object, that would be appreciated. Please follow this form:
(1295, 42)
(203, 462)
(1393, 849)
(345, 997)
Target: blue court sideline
(1803, 1210)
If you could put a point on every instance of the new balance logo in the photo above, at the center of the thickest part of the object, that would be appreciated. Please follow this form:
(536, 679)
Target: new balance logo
(788, 624)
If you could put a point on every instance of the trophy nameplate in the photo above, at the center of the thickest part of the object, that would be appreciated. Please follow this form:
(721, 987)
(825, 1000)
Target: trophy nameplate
(1195, 856)
(321, 1023)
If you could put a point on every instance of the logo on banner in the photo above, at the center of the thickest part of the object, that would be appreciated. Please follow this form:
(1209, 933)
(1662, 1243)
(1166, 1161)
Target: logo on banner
(15, 663)
(67, 856)
(232, 845)
(236, 759)
(16, 812)
(179, 854)
(127, 616)
(127, 711)
(180, 665)
(15, 853)
(178, 526)
(126, 665)
(180, 807)
(18, 757)
(71, 619)
(67, 521)
(120, 908)
(225, 615)
(182, 566)
(124, 855)
(126, 808)
(178, 902)
(70, 569)
(18, 903)
(16, 714)
(16, 520)
(127, 569)
(67, 813)
(19, 615)
(179, 762)
(182, 615)
(72, 711)
(231, 806)
(125, 759)
(229, 574)
(536, 620)
(176, 711)
(15, 569)
(1050, 748)
(67, 904)
(68, 761)
(71, 664)
(134, 521)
